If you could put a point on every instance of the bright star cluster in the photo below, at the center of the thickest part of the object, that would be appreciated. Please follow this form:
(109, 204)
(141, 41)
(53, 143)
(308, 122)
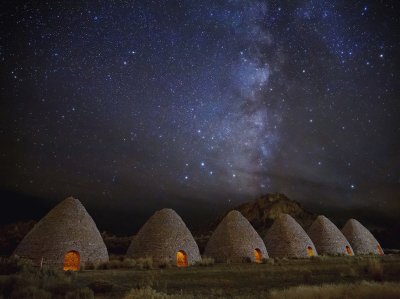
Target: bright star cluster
(201, 101)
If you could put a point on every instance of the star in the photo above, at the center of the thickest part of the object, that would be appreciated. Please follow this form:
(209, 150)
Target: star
(200, 102)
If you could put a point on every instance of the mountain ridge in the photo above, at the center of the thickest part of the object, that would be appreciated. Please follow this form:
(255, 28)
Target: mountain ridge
(261, 213)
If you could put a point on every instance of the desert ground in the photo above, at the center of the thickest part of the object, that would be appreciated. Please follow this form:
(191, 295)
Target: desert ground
(319, 277)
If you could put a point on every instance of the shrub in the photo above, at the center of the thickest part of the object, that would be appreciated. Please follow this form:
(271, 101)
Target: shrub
(166, 263)
(269, 261)
(129, 263)
(116, 264)
(319, 258)
(14, 264)
(205, 262)
(282, 260)
(37, 281)
(89, 266)
(56, 281)
(25, 265)
(103, 266)
(358, 259)
(113, 264)
(32, 282)
(8, 265)
(247, 260)
(144, 263)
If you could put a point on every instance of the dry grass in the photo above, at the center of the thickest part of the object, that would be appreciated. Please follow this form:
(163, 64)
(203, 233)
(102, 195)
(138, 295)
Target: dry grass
(144, 263)
(254, 280)
(146, 293)
(205, 262)
(125, 263)
(375, 270)
(34, 283)
(166, 264)
(363, 290)
(269, 261)
(127, 277)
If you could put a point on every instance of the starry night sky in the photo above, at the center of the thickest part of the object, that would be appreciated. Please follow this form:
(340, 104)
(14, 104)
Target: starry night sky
(133, 106)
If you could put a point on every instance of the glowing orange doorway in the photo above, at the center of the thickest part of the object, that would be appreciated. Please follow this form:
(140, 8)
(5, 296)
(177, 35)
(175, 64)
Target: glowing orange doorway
(72, 261)
(310, 251)
(349, 251)
(258, 255)
(380, 250)
(181, 259)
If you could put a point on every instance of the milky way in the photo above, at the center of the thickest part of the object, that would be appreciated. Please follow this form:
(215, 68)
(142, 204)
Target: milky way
(183, 102)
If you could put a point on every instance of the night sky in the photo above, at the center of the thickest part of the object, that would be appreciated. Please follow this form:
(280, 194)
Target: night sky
(133, 106)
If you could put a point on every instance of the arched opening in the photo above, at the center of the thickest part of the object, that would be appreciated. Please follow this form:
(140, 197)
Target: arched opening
(72, 261)
(349, 251)
(258, 255)
(380, 250)
(310, 251)
(181, 259)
